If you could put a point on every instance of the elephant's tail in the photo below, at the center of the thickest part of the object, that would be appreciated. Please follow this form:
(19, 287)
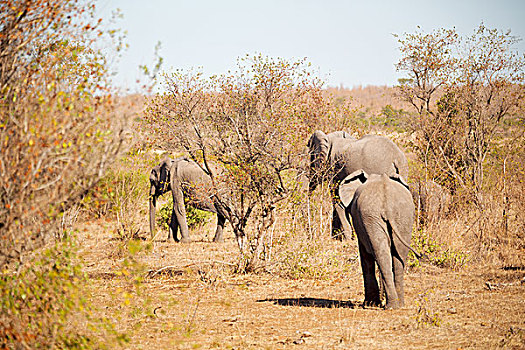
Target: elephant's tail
(395, 232)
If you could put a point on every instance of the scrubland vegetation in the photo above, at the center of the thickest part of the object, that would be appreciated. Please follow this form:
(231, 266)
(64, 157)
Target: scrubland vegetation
(79, 269)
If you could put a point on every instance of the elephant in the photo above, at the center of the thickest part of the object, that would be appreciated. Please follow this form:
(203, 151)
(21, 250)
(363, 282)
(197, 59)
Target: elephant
(183, 177)
(431, 200)
(382, 212)
(336, 155)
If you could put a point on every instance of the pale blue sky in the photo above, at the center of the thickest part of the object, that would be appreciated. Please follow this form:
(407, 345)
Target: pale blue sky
(350, 42)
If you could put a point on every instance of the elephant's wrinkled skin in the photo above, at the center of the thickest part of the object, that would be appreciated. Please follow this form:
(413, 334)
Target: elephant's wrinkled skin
(335, 156)
(382, 212)
(186, 181)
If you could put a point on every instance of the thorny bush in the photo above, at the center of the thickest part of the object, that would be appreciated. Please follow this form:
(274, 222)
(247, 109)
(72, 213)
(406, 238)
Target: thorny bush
(247, 130)
(468, 94)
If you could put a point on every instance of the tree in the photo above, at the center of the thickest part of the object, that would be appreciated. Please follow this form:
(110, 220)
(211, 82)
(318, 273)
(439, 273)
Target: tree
(58, 134)
(463, 90)
(247, 129)
(56, 137)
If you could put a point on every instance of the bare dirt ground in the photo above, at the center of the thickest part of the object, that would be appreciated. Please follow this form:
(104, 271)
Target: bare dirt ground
(189, 298)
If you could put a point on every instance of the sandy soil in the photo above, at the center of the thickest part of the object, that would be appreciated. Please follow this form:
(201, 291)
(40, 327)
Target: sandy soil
(189, 298)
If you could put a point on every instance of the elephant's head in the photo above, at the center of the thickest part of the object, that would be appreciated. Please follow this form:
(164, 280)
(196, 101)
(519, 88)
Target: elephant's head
(319, 149)
(159, 179)
(349, 185)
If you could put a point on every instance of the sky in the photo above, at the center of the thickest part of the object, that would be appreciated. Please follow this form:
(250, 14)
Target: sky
(350, 43)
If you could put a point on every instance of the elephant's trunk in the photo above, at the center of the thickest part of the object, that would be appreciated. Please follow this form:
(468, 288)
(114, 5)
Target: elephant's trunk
(312, 185)
(316, 173)
(152, 205)
(313, 180)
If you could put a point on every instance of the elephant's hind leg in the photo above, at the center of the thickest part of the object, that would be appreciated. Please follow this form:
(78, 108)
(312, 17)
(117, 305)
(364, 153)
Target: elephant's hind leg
(368, 266)
(377, 233)
(384, 261)
(399, 270)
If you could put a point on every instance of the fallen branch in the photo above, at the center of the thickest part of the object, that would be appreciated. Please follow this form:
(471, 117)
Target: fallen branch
(152, 273)
(492, 286)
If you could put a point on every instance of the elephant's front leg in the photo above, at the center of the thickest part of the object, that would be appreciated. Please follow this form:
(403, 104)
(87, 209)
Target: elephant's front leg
(173, 226)
(368, 266)
(179, 212)
(341, 228)
(221, 220)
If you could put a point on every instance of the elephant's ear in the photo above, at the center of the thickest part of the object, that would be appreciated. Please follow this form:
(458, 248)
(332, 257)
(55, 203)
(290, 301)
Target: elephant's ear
(319, 145)
(154, 174)
(399, 178)
(350, 183)
(164, 174)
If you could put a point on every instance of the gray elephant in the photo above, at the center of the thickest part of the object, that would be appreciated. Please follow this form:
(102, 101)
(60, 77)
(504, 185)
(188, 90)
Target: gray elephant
(382, 211)
(186, 181)
(431, 200)
(336, 155)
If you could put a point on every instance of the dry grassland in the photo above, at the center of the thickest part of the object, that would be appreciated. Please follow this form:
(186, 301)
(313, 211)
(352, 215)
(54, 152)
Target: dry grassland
(189, 298)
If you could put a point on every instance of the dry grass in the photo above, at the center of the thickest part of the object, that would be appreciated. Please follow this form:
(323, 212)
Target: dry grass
(190, 298)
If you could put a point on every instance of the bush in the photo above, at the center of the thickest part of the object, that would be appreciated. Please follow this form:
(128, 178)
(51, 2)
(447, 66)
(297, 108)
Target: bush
(57, 127)
(247, 128)
(195, 217)
(59, 133)
(299, 257)
(42, 303)
(113, 192)
(438, 254)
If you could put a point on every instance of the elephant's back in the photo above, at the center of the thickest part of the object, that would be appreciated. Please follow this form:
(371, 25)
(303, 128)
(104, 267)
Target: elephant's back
(196, 185)
(190, 172)
(384, 197)
(369, 198)
(401, 209)
(375, 155)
